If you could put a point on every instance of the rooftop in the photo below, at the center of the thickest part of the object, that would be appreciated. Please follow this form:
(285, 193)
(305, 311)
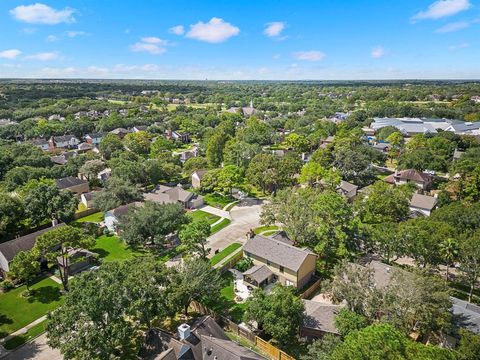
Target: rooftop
(423, 201)
(69, 181)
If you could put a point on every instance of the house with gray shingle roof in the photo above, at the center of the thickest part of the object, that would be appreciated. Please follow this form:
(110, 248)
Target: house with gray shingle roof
(319, 319)
(289, 264)
(422, 204)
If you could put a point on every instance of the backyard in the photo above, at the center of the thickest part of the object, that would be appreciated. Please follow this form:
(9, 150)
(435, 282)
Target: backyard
(215, 259)
(217, 200)
(94, 218)
(198, 215)
(17, 311)
(112, 248)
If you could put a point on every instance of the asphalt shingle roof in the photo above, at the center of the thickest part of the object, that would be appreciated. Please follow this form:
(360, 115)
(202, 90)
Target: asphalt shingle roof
(423, 201)
(69, 181)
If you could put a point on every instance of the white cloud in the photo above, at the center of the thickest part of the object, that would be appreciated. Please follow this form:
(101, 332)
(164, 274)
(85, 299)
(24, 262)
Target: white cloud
(52, 38)
(215, 31)
(73, 34)
(177, 30)
(377, 52)
(456, 26)
(154, 40)
(442, 8)
(276, 56)
(459, 46)
(274, 29)
(146, 47)
(10, 54)
(42, 14)
(309, 55)
(44, 56)
(263, 70)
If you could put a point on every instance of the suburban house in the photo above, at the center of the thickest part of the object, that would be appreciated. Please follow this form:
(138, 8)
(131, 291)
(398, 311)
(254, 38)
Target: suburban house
(77, 260)
(422, 205)
(138, 128)
(276, 260)
(197, 177)
(177, 136)
(9, 249)
(203, 340)
(381, 146)
(87, 199)
(64, 141)
(348, 190)
(245, 110)
(120, 132)
(73, 184)
(187, 154)
(63, 158)
(466, 315)
(329, 140)
(319, 319)
(174, 195)
(113, 216)
(40, 143)
(94, 138)
(421, 180)
(104, 175)
(84, 147)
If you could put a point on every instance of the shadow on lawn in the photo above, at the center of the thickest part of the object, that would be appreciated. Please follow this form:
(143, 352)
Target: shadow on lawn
(45, 295)
(4, 319)
(102, 253)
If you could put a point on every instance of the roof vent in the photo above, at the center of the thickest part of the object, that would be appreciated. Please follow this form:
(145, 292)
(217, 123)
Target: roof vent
(183, 331)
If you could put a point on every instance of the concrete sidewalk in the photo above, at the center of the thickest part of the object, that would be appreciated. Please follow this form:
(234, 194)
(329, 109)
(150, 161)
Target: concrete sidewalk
(213, 210)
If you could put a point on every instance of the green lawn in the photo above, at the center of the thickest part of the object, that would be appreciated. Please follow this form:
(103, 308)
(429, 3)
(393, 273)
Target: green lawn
(17, 311)
(215, 259)
(203, 215)
(261, 229)
(94, 218)
(112, 248)
(220, 225)
(33, 332)
(228, 304)
(217, 200)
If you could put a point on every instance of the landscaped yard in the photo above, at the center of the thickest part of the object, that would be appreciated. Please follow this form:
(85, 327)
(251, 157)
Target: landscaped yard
(33, 332)
(112, 248)
(203, 215)
(94, 218)
(217, 200)
(235, 310)
(220, 225)
(215, 259)
(17, 311)
(262, 229)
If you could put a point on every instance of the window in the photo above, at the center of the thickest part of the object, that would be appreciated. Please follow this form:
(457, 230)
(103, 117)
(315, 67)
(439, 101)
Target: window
(282, 269)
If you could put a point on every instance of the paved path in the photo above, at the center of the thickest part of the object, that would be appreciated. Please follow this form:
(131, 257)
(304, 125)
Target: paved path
(245, 216)
(24, 329)
(215, 211)
(36, 349)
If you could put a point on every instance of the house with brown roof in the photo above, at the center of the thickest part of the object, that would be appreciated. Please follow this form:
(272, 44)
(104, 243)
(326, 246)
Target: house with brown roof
(203, 340)
(348, 190)
(275, 260)
(420, 179)
(73, 184)
(9, 249)
(174, 195)
(422, 205)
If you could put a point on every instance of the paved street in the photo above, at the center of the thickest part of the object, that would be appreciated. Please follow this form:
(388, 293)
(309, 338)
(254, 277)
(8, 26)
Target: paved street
(245, 216)
(36, 349)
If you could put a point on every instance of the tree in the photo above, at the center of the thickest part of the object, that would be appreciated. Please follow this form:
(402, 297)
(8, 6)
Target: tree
(385, 240)
(11, 214)
(229, 177)
(314, 173)
(470, 259)
(25, 266)
(107, 311)
(279, 313)
(138, 142)
(215, 146)
(322, 348)
(194, 279)
(297, 142)
(91, 168)
(55, 246)
(194, 236)
(160, 146)
(239, 153)
(469, 346)
(194, 164)
(117, 192)
(449, 253)
(151, 223)
(347, 321)
(46, 201)
(110, 145)
(263, 172)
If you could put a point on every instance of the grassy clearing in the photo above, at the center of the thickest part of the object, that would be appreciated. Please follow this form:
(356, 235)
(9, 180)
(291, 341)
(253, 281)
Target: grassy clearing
(222, 224)
(261, 229)
(112, 248)
(94, 218)
(217, 200)
(224, 253)
(234, 309)
(203, 215)
(17, 311)
(33, 332)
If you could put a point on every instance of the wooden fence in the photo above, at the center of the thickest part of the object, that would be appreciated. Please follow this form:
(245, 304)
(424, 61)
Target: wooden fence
(311, 289)
(230, 262)
(84, 213)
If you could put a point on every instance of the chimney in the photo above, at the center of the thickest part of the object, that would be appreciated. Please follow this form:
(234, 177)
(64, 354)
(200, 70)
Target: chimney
(183, 331)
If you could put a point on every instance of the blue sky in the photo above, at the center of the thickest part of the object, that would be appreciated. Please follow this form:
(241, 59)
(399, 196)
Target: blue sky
(214, 39)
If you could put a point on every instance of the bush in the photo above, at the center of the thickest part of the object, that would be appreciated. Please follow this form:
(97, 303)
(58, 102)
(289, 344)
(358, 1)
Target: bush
(244, 264)
(6, 285)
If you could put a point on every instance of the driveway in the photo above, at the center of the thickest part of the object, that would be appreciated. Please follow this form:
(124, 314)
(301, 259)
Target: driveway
(36, 349)
(245, 216)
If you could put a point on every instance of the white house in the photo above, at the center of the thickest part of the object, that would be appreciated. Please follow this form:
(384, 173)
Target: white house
(422, 204)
